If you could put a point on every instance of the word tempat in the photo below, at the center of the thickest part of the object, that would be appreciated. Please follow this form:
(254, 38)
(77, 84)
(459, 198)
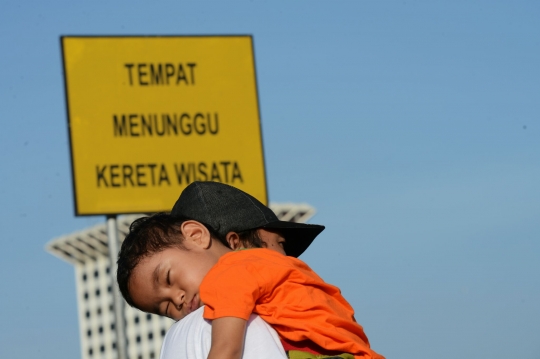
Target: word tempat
(156, 74)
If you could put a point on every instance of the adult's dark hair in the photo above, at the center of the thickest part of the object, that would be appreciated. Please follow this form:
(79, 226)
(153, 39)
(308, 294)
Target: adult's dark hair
(148, 236)
(250, 238)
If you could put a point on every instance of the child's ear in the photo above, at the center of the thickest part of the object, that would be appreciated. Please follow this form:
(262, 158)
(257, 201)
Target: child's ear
(234, 240)
(196, 233)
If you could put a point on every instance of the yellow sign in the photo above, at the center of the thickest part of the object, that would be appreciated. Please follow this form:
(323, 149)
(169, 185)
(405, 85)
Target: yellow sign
(149, 115)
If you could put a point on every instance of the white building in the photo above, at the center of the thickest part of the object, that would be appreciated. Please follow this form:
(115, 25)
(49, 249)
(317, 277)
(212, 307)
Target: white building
(87, 251)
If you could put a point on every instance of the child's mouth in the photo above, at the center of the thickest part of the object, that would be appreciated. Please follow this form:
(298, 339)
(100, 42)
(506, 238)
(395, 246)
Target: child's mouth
(193, 305)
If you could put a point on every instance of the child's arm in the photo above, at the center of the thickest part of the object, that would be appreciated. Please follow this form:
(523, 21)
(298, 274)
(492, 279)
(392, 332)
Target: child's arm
(227, 338)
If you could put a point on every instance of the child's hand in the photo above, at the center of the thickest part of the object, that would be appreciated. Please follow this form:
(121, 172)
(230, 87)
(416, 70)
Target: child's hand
(227, 338)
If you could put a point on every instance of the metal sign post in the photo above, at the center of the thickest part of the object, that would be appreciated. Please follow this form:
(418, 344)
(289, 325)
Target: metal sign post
(118, 302)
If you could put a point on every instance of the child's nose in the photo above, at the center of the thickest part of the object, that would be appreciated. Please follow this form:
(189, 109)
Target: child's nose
(180, 298)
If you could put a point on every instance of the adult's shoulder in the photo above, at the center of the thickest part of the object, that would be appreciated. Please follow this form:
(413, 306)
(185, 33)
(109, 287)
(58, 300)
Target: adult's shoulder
(191, 337)
(262, 341)
(188, 338)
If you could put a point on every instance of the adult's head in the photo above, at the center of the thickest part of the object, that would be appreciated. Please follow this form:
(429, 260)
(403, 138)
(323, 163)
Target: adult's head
(231, 211)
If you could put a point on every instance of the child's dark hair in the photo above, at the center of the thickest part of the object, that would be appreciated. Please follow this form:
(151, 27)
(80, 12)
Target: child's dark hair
(147, 236)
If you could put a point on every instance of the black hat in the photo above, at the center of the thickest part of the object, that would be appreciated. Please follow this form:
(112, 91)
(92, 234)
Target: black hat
(228, 209)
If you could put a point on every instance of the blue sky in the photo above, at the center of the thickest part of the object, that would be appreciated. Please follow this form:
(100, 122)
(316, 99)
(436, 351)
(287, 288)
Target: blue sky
(412, 126)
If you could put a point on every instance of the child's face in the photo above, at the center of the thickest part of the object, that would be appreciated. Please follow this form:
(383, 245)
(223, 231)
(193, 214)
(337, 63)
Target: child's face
(167, 283)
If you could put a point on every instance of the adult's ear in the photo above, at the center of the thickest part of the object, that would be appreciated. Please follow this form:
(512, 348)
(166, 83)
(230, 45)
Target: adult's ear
(195, 233)
(234, 240)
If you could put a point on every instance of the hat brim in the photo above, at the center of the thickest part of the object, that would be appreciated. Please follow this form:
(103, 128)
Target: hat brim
(298, 236)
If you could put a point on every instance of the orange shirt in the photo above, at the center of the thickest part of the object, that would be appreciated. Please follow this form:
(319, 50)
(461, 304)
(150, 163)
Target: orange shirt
(288, 295)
